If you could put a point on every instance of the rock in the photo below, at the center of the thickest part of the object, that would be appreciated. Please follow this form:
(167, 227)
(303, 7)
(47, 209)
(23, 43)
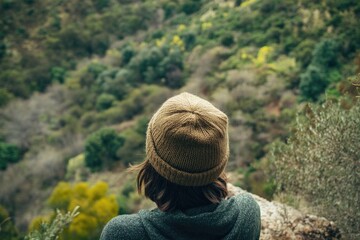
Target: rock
(281, 222)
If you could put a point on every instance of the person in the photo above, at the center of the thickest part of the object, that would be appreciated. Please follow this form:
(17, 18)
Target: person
(187, 149)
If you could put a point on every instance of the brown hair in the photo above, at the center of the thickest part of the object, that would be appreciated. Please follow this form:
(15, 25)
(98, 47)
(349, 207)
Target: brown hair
(169, 196)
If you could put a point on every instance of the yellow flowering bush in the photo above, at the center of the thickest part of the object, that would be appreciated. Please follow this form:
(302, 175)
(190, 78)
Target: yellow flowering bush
(181, 28)
(263, 55)
(177, 41)
(160, 42)
(97, 207)
(247, 3)
(206, 25)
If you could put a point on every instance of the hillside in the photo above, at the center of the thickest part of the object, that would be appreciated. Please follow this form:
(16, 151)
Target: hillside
(79, 81)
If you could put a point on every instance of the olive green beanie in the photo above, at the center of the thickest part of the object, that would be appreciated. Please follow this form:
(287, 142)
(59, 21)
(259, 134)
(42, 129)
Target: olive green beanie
(187, 141)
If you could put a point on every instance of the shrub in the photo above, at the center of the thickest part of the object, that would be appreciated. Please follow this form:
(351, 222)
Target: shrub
(52, 230)
(133, 149)
(9, 153)
(101, 4)
(319, 73)
(227, 40)
(191, 6)
(302, 52)
(5, 97)
(170, 8)
(97, 207)
(89, 75)
(325, 53)
(13, 80)
(76, 169)
(171, 69)
(104, 101)
(313, 83)
(159, 66)
(189, 39)
(126, 54)
(145, 60)
(58, 74)
(7, 228)
(129, 199)
(320, 162)
(115, 82)
(238, 2)
(101, 148)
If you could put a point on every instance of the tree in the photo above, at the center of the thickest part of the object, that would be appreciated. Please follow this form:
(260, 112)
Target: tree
(318, 74)
(313, 83)
(101, 148)
(325, 53)
(320, 163)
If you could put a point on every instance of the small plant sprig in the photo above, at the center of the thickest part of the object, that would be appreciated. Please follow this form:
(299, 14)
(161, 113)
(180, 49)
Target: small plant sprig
(52, 230)
(355, 81)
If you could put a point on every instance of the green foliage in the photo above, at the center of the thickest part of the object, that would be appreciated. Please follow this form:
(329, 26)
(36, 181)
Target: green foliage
(128, 188)
(13, 80)
(170, 8)
(191, 6)
(81, 43)
(115, 82)
(313, 83)
(9, 153)
(189, 39)
(326, 54)
(76, 169)
(53, 229)
(227, 40)
(48, 41)
(320, 162)
(126, 54)
(101, 4)
(5, 97)
(7, 228)
(159, 66)
(126, 109)
(130, 201)
(256, 180)
(133, 149)
(90, 74)
(101, 148)
(104, 101)
(303, 52)
(238, 2)
(97, 208)
(320, 72)
(58, 74)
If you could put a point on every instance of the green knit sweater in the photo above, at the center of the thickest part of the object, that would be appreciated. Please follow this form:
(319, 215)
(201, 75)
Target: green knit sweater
(235, 218)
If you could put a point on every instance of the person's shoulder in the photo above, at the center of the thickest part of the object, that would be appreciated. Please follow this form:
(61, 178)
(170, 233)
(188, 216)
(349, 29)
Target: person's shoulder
(250, 215)
(124, 227)
(245, 200)
(247, 205)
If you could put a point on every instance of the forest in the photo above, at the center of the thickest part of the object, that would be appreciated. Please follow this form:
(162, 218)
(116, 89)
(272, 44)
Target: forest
(80, 80)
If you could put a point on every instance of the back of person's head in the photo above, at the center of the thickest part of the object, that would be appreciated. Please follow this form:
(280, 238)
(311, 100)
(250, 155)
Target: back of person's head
(187, 149)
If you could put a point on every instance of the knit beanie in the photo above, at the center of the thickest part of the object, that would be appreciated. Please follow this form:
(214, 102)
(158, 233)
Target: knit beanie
(187, 141)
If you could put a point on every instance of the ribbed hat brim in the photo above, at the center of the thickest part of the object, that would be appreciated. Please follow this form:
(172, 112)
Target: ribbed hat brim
(176, 175)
